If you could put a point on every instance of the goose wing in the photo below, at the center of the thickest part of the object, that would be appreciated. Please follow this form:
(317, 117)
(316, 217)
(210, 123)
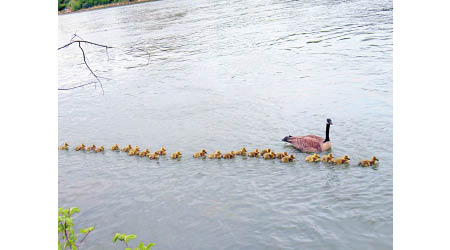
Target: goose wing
(307, 143)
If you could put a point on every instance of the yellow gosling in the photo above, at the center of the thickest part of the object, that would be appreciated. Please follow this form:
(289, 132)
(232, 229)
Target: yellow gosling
(100, 149)
(366, 163)
(327, 158)
(281, 155)
(161, 151)
(65, 146)
(202, 153)
(153, 156)
(144, 153)
(81, 147)
(242, 151)
(269, 155)
(127, 148)
(343, 160)
(91, 148)
(254, 153)
(291, 158)
(176, 155)
(134, 151)
(115, 147)
(267, 150)
(313, 158)
(285, 159)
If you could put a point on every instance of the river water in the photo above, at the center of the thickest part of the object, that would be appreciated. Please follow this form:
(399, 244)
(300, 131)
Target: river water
(221, 75)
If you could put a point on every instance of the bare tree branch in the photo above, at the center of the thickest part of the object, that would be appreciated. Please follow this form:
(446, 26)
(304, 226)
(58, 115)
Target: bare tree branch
(96, 77)
(83, 41)
(80, 40)
(77, 86)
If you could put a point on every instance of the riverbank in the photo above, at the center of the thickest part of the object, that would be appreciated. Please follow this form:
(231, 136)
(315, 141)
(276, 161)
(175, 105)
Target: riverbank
(109, 5)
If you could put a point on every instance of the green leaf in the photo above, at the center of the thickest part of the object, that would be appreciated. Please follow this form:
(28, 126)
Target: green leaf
(84, 231)
(131, 236)
(74, 210)
(128, 248)
(116, 237)
(141, 245)
(122, 237)
(150, 245)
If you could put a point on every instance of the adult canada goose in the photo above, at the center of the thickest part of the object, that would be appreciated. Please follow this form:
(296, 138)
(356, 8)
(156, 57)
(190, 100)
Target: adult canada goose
(311, 143)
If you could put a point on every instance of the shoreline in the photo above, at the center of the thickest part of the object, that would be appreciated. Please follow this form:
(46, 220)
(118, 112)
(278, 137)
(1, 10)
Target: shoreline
(104, 6)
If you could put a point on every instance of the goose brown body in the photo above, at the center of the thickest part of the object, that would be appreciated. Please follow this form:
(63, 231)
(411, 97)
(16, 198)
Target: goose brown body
(311, 143)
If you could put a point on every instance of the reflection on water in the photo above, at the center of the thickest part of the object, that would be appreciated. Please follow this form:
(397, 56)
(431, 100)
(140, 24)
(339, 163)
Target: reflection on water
(223, 75)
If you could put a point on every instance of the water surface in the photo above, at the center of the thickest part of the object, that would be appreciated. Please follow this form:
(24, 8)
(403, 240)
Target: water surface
(222, 75)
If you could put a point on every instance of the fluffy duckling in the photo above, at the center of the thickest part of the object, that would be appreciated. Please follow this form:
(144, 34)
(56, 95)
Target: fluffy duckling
(229, 155)
(254, 153)
(286, 159)
(100, 149)
(81, 147)
(327, 158)
(115, 147)
(366, 163)
(291, 158)
(176, 155)
(133, 151)
(65, 146)
(281, 155)
(91, 148)
(313, 158)
(127, 148)
(202, 153)
(153, 156)
(144, 153)
(242, 151)
(267, 150)
(343, 160)
(216, 155)
(161, 151)
(269, 155)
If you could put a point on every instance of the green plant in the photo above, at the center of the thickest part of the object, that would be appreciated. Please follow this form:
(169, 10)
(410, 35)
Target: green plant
(126, 238)
(67, 238)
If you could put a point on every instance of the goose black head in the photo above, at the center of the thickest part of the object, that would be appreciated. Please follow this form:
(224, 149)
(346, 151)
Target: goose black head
(285, 139)
(329, 121)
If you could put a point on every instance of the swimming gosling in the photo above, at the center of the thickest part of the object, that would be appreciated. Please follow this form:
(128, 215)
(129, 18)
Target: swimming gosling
(176, 155)
(100, 149)
(115, 147)
(366, 163)
(343, 160)
(327, 158)
(65, 146)
(127, 148)
(313, 158)
(81, 147)
(242, 151)
(281, 155)
(254, 153)
(202, 153)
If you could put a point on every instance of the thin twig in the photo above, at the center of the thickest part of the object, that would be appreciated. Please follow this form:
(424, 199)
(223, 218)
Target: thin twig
(82, 41)
(81, 241)
(76, 86)
(84, 59)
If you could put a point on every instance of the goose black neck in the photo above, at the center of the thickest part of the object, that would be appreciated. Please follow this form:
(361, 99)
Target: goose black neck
(327, 138)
